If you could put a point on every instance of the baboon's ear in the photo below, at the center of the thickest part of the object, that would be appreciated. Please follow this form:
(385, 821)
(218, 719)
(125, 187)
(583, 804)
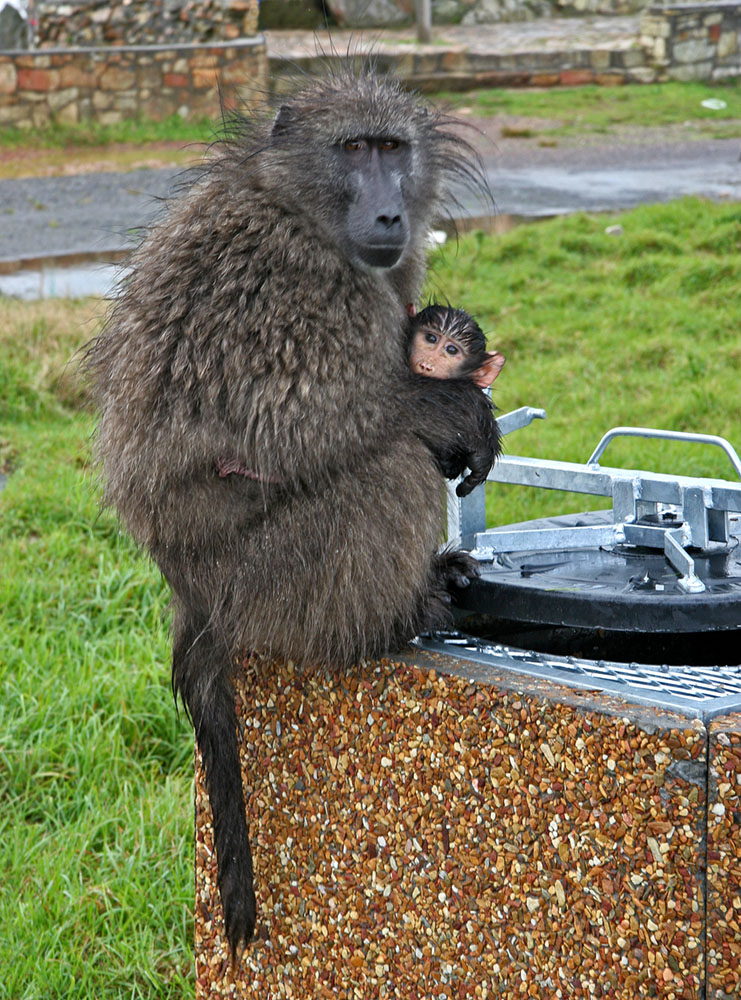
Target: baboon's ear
(283, 120)
(486, 374)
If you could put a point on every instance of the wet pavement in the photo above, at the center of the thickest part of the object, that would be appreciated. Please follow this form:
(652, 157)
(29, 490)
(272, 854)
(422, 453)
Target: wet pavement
(608, 179)
(91, 213)
(91, 217)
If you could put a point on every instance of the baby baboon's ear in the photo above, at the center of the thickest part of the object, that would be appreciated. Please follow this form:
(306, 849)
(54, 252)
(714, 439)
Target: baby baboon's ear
(486, 374)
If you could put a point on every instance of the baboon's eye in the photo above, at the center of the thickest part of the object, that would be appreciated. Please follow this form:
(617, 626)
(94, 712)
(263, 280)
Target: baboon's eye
(451, 349)
(431, 338)
(353, 145)
(389, 145)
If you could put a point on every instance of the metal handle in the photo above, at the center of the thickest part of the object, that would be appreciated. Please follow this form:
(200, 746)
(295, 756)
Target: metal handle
(650, 432)
(515, 420)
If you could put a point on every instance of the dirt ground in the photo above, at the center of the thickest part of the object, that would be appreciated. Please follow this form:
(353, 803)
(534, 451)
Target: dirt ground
(507, 138)
(93, 159)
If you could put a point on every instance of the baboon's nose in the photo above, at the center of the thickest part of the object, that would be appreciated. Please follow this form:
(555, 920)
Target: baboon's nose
(389, 221)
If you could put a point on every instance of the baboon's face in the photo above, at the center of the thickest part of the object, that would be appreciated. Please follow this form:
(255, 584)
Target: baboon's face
(376, 224)
(434, 354)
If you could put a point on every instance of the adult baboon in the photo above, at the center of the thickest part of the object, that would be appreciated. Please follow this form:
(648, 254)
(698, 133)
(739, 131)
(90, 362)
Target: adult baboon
(262, 328)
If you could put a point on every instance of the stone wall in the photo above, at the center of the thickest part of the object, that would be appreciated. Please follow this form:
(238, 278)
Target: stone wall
(607, 7)
(430, 69)
(693, 41)
(112, 84)
(373, 13)
(141, 22)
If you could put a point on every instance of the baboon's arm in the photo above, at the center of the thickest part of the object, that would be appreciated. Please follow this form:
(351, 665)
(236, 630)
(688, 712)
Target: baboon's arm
(455, 420)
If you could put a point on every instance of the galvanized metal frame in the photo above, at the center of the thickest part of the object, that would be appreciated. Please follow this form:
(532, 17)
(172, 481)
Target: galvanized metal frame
(696, 513)
(700, 692)
(696, 510)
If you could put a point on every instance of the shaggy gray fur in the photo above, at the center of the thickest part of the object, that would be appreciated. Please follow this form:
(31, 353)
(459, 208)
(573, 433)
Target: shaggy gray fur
(248, 337)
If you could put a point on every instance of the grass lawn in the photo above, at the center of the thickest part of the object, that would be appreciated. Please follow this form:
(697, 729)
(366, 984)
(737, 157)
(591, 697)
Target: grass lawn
(93, 133)
(95, 767)
(576, 110)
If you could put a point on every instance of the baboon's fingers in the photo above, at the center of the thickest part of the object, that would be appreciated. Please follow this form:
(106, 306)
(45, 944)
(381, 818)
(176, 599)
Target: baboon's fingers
(457, 568)
(474, 478)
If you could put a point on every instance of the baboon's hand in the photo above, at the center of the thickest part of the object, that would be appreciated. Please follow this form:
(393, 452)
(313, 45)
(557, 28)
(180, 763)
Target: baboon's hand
(479, 462)
(455, 569)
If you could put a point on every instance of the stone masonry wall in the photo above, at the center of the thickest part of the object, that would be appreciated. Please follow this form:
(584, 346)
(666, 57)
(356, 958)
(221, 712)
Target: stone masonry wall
(693, 41)
(142, 22)
(375, 13)
(431, 69)
(115, 83)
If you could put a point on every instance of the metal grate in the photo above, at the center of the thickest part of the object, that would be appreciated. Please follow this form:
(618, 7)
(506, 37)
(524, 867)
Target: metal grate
(702, 692)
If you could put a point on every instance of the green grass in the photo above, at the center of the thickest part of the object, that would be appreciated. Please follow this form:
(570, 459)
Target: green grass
(578, 109)
(600, 330)
(598, 109)
(91, 133)
(95, 768)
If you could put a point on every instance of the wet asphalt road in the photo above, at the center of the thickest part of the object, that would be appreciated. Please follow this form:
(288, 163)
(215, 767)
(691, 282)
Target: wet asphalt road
(85, 213)
(101, 213)
(598, 179)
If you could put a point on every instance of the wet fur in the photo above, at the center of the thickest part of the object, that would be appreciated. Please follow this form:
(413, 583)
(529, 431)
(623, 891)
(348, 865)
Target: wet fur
(244, 333)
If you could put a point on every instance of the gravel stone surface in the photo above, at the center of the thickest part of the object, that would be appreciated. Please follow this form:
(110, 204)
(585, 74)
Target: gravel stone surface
(421, 835)
(724, 859)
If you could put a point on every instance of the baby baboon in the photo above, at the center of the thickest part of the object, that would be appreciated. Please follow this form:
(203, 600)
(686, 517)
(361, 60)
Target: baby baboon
(447, 343)
(262, 326)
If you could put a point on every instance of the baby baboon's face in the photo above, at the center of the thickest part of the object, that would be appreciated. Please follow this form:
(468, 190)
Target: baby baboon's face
(436, 355)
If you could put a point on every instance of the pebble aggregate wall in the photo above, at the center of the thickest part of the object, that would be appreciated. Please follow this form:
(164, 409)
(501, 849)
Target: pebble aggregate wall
(433, 829)
(114, 83)
(693, 41)
(724, 852)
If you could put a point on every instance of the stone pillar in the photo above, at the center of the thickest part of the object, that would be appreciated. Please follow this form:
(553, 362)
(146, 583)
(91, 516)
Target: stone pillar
(14, 31)
(700, 41)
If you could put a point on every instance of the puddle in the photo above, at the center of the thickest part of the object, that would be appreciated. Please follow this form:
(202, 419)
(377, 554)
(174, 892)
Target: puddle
(55, 282)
